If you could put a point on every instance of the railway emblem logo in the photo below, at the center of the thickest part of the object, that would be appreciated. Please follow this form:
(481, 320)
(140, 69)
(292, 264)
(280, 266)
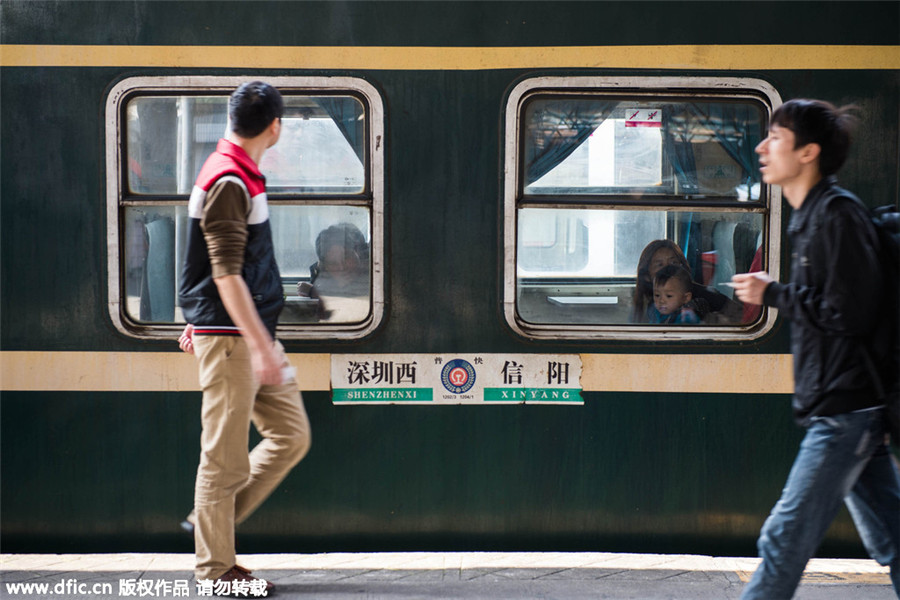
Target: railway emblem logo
(458, 376)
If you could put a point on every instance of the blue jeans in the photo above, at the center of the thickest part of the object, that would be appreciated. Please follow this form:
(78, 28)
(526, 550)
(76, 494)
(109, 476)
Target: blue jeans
(843, 458)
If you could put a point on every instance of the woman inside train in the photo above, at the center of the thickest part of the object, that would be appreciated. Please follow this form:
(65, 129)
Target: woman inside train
(711, 305)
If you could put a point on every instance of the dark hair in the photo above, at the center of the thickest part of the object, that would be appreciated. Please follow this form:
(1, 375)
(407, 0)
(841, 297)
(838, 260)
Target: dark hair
(675, 272)
(819, 122)
(346, 236)
(643, 287)
(252, 107)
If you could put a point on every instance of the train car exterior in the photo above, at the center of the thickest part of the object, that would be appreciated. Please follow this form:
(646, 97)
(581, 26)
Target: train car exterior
(492, 170)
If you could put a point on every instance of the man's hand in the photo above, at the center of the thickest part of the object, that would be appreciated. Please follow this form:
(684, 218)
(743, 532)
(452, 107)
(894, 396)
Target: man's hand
(186, 339)
(266, 365)
(750, 287)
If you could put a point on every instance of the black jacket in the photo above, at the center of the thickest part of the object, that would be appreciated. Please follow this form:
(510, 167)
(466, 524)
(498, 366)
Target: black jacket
(833, 301)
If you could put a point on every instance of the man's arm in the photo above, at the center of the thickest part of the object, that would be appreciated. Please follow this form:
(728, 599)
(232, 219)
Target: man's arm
(224, 225)
(239, 304)
(846, 302)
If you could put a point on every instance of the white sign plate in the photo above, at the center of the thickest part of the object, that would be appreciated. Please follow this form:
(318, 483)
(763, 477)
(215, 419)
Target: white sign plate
(456, 379)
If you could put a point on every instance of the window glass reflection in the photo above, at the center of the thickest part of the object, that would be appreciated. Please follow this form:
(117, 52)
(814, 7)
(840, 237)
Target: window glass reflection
(596, 267)
(693, 149)
(321, 150)
(323, 253)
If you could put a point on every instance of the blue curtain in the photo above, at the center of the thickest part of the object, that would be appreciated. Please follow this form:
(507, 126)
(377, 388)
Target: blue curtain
(555, 128)
(677, 135)
(738, 129)
(158, 277)
(347, 115)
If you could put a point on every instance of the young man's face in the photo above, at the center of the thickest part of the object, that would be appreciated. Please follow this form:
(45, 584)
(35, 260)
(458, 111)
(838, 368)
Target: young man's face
(670, 297)
(779, 161)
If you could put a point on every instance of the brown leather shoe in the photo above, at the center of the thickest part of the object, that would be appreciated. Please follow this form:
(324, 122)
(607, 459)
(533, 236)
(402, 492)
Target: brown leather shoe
(237, 582)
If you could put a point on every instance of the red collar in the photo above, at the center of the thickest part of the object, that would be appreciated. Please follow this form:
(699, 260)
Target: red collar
(239, 155)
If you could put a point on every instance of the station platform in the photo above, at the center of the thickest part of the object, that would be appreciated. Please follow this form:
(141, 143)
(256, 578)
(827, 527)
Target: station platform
(426, 575)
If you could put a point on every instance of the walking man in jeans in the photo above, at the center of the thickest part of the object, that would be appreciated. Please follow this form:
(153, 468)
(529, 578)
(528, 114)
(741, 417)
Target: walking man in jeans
(231, 294)
(833, 301)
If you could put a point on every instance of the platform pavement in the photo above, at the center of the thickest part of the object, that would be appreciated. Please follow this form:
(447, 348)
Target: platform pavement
(426, 575)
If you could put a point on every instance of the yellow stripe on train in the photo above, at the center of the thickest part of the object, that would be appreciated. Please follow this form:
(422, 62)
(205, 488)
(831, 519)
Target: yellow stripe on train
(725, 57)
(175, 372)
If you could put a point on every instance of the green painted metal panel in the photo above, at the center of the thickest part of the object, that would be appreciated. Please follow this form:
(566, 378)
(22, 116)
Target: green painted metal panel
(678, 473)
(447, 23)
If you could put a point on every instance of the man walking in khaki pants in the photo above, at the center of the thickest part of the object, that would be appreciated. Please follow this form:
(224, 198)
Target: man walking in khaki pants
(231, 294)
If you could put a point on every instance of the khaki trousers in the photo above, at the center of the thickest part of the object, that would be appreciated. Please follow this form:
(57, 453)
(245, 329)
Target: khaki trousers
(231, 480)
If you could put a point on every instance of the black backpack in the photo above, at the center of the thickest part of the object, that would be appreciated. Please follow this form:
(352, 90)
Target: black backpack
(886, 344)
(882, 353)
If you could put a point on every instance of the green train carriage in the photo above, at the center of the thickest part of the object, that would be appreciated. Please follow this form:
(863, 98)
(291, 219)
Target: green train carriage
(470, 145)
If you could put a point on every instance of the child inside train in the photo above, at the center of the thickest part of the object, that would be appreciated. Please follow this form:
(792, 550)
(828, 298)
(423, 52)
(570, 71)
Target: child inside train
(673, 301)
(713, 306)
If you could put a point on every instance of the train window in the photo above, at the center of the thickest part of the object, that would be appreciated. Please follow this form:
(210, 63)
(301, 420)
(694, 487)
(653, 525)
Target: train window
(321, 150)
(603, 176)
(324, 183)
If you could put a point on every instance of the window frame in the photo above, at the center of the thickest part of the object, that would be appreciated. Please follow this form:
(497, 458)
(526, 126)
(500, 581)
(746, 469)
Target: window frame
(643, 88)
(119, 196)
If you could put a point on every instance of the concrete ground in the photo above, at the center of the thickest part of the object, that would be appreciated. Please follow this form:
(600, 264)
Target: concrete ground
(451, 575)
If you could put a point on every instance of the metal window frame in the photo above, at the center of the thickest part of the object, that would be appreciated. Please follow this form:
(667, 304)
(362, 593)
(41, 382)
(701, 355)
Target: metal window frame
(116, 190)
(644, 87)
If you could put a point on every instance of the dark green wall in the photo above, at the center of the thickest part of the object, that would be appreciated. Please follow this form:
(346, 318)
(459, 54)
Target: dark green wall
(466, 23)
(647, 472)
